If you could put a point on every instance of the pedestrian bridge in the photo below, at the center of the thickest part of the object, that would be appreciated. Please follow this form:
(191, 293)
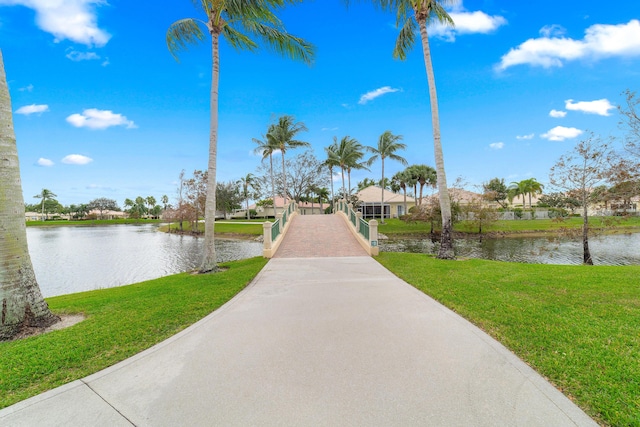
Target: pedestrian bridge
(341, 234)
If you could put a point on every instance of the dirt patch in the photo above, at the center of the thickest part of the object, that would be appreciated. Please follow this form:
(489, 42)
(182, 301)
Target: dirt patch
(66, 320)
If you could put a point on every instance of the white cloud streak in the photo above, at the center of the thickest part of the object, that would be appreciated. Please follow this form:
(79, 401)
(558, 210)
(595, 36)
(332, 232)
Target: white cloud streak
(496, 145)
(44, 162)
(561, 133)
(73, 20)
(600, 41)
(32, 109)
(76, 56)
(557, 114)
(600, 107)
(76, 159)
(526, 137)
(370, 96)
(468, 23)
(93, 118)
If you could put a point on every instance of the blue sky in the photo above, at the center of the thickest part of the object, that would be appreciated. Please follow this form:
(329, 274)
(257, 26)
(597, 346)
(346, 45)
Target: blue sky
(102, 109)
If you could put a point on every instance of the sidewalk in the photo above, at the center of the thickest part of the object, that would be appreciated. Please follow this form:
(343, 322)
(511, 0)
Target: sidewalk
(314, 342)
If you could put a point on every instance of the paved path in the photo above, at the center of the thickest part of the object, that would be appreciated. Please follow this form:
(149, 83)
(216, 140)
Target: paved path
(327, 341)
(312, 236)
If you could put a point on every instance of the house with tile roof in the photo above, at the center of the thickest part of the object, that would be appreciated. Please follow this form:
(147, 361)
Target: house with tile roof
(370, 199)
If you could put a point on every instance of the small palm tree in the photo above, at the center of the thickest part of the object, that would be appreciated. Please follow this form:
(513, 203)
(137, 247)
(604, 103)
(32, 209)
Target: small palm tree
(44, 195)
(519, 188)
(331, 162)
(247, 183)
(400, 181)
(266, 147)
(533, 188)
(239, 22)
(411, 16)
(350, 153)
(388, 144)
(322, 194)
(284, 133)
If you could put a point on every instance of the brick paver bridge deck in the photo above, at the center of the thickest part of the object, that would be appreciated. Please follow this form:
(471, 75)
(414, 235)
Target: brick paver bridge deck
(319, 236)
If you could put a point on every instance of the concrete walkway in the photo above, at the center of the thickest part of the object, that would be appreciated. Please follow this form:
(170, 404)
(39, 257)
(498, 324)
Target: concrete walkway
(329, 341)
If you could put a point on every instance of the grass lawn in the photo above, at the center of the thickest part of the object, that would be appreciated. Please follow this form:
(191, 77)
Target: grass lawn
(233, 228)
(398, 228)
(58, 223)
(579, 326)
(120, 322)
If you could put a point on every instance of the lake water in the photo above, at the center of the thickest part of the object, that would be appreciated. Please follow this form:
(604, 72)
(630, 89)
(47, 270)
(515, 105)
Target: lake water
(619, 249)
(75, 259)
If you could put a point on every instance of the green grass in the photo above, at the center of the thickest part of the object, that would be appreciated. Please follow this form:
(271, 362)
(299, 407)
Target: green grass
(120, 323)
(576, 325)
(222, 228)
(398, 228)
(59, 223)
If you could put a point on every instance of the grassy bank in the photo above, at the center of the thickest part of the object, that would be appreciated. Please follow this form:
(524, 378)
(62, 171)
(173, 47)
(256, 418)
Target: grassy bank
(120, 322)
(59, 223)
(576, 325)
(399, 228)
(221, 228)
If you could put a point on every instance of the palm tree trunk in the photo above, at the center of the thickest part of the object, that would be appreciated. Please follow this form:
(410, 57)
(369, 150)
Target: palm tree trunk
(382, 198)
(586, 253)
(405, 200)
(209, 256)
(284, 180)
(332, 194)
(273, 186)
(344, 189)
(446, 239)
(21, 302)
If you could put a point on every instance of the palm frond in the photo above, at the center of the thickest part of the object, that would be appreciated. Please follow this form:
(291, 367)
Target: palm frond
(183, 33)
(406, 39)
(238, 40)
(282, 42)
(438, 13)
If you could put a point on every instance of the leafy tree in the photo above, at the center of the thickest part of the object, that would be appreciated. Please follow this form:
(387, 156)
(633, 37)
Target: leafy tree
(413, 15)
(560, 200)
(581, 171)
(479, 214)
(196, 196)
(228, 197)
(388, 145)
(283, 133)
(631, 121)
(21, 300)
(240, 23)
(496, 191)
(102, 204)
(44, 195)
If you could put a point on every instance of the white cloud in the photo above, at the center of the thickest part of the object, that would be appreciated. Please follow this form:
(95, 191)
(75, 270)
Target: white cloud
(74, 20)
(76, 159)
(370, 96)
(28, 88)
(468, 23)
(526, 137)
(600, 107)
(496, 145)
(326, 129)
(557, 114)
(93, 118)
(32, 109)
(600, 41)
(76, 56)
(554, 30)
(561, 133)
(44, 162)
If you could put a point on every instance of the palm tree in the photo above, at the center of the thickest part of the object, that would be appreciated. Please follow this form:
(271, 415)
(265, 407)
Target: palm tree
(283, 134)
(533, 187)
(247, 182)
(400, 181)
(350, 153)
(412, 15)
(266, 147)
(151, 202)
(519, 188)
(332, 161)
(388, 144)
(44, 195)
(22, 302)
(322, 194)
(239, 22)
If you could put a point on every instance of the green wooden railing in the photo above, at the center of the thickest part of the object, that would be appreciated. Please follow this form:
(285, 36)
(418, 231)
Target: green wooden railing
(364, 228)
(278, 225)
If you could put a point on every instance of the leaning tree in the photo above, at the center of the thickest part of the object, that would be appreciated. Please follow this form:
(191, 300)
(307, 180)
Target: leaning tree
(21, 301)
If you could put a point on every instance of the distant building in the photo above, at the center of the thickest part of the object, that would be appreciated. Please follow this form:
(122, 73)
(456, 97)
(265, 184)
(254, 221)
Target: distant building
(370, 199)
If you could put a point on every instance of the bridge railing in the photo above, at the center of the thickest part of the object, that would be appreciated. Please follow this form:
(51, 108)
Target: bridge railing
(365, 231)
(273, 232)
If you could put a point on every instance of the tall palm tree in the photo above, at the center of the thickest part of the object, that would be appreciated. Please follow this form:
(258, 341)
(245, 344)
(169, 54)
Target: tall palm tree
(533, 188)
(331, 162)
(426, 176)
(44, 195)
(20, 296)
(388, 144)
(322, 194)
(400, 180)
(413, 15)
(519, 188)
(247, 183)
(350, 153)
(266, 147)
(284, 133)
(239, 22)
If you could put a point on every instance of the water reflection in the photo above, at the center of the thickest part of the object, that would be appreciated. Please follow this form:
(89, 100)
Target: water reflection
(75, 259)
(619, 249)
